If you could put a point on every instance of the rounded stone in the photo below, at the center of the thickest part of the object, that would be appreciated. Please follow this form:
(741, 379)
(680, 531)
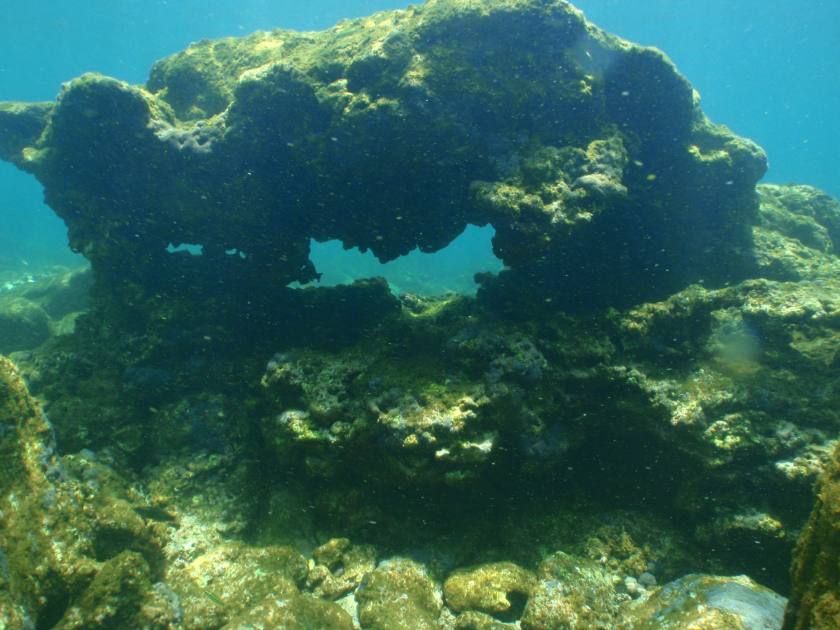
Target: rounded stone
(23, 325)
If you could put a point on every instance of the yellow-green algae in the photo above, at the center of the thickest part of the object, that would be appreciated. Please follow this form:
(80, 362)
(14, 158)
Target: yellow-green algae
(399, 595)
(488, 588)
(65, 542)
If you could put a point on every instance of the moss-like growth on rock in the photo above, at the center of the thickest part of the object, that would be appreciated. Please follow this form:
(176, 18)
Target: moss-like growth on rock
(297, 612)
(815, 600)
(399, 595)
(339, 567)
(75, 550)
(230, 579)
(572, 593)
(650, 385)
(21, 124)
(114, 597)
(586, 153)
(23, 325)
(499, 588)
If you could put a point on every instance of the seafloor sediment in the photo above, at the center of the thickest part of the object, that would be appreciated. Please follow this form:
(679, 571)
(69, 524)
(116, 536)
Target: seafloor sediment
(645, 396)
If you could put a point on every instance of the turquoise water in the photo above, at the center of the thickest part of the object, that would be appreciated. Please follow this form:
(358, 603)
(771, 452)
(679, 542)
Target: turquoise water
(764, 68)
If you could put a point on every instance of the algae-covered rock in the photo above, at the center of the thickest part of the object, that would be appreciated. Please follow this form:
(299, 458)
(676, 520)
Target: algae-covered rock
(500, 589)
(691, 377)
(473, 620)
(441, 404)
(74, 547)
(333, 409)
(399, 595)
(707, 602)
(23, 325)
(742, 378)
(114, 597)
(339, 567)
(815, 600)
(230, 579)
(21, 124)
(296, 612)
(584, 152)
(798, 233)
(804, 213)
(572, 593)
(61, 294)
(34, 310)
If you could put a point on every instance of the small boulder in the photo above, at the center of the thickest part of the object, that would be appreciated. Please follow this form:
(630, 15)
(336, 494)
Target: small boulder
(399, 595)
(573, 594)
(499, 589)
(707, 602)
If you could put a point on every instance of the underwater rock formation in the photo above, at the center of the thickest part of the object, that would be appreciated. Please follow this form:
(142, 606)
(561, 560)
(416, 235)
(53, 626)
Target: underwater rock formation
(648, 391)
(589, 155)
(74, 549)
(714, 406)
(705, 602)
(33, 311)
(815, 601)
(23, 325)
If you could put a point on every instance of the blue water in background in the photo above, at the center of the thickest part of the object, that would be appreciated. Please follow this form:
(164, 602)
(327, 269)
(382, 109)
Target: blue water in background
(768, 69)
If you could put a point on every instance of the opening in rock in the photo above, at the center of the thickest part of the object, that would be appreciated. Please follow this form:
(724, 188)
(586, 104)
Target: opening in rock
(191, 248)
(448, 270)
(33, 240)
(236, 252)
(54, 608)
(517, 607)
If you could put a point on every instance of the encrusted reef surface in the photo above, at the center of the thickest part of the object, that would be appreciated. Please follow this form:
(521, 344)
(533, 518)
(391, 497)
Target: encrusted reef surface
(639, 405)
(435, 465)
(815, 602)
(588, 155)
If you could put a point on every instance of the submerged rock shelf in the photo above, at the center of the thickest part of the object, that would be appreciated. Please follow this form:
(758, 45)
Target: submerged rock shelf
(637, 405)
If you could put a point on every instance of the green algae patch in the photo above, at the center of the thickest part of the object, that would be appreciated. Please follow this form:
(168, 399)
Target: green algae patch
(340, 567)
(390, 133)
(472, 620)
(114, 597)
(229, 580)
(75, 551)
(815, 600)
(372, 429)
(500, 589)
(20, 126)
(573, 593)
(569, 401)
(299, 612)
(399, 595)
(23, 325)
